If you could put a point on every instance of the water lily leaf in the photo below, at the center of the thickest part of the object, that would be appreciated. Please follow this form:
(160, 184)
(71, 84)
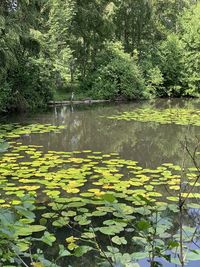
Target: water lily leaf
(109, 198)
(60, 222)
(63, 252)
(48, 238)
(111, 230)
(72, 242)
(23, 245)
(139, 240)
(80, 251)
(37, 228)
(37, 264)
(119, 240)
(139, 255)
(3, 146)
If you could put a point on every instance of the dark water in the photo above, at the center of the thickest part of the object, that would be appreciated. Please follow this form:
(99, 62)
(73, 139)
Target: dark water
(87, 128)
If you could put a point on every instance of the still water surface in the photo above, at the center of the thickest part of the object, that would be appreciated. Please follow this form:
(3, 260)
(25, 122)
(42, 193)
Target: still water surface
(87, 128)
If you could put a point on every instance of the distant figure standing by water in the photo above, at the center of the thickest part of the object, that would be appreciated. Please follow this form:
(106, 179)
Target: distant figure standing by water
(72, 96)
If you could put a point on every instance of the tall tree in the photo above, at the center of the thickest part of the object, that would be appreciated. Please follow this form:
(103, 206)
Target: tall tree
(132, 20)
(91, 27)
(57, 16)
(17, 49)
(190, 35)
(142, 23)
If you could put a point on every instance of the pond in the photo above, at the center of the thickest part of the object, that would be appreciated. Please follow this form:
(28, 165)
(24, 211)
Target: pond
(107, 180)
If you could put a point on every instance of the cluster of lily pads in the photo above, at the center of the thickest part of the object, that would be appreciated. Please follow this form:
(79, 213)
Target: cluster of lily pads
(90, 196)
(95, 193)
(85, 175)
(15, 130)
(181, 116)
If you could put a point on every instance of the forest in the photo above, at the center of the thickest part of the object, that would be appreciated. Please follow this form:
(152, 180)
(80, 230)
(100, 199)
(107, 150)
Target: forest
(99, 133)
(98, 49)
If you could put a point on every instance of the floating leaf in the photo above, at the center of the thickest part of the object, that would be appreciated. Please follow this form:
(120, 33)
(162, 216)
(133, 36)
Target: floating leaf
(119, 240)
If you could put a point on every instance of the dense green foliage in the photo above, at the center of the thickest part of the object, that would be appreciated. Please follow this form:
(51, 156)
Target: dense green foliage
(189, 33)
(47, 45)
(117, 75)
(23, 84)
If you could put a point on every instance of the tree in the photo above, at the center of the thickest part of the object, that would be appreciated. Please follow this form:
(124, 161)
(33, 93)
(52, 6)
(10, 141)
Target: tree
(171, 65)
(17, 49)
(189, 32)
(55, 41)
(132, 20)
(91, 27)
(140, 24)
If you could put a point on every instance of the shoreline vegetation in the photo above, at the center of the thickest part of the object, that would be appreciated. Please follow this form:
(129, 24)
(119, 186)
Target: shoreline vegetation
(99, 49)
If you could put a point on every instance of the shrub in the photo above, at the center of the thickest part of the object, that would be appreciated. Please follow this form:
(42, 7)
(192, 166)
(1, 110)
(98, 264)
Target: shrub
(30, 87)
(5, 97)
(116, 75)
(171, 65)
(154, 80)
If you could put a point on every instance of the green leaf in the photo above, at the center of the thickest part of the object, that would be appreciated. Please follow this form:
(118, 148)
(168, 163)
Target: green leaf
(37, 228)
(48, 238)
(173, 244)
(143, 225)
(109, 198)
(80, 251)
(139, 255)
(3, 146)
(119, 240)
(63, 252)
